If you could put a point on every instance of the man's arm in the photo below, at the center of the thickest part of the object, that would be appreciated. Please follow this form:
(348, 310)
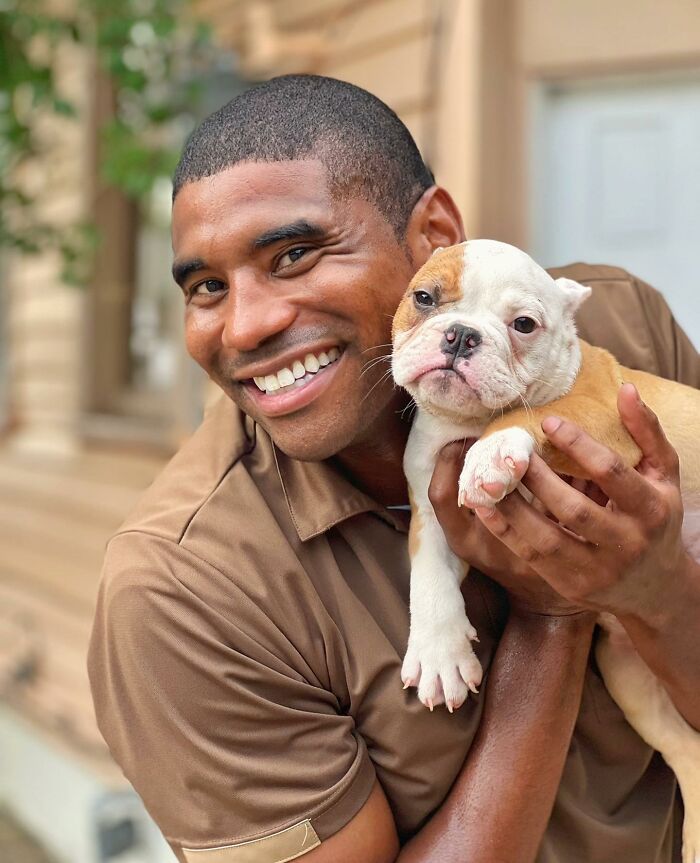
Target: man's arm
(500, 803)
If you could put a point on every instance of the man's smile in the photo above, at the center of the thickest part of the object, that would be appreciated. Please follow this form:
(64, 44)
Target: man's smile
(296, 386)
(278, 374)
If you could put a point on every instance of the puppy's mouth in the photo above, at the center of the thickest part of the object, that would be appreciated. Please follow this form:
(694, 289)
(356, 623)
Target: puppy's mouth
(446, 377)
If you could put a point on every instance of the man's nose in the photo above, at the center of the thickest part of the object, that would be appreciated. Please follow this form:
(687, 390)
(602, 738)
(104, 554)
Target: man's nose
(254, 315)
(460, 341)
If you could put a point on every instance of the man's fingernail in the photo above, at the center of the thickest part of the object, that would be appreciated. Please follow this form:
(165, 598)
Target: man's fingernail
(550, 425)
(633, 389)
(484, 511)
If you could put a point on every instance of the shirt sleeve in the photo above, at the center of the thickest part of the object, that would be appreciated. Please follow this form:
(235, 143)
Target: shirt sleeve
(678, 359)
(212, 712)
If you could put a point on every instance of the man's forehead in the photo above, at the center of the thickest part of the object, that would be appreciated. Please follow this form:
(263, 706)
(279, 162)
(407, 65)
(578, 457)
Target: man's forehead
(249, 190)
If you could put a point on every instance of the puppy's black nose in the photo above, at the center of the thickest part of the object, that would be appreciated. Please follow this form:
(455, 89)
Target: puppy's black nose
(460, 341)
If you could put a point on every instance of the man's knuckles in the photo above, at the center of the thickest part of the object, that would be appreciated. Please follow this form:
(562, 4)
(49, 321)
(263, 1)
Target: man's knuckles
(577, 514)
(660, 509)
(568, 437)
(607, 467)
(442, 491)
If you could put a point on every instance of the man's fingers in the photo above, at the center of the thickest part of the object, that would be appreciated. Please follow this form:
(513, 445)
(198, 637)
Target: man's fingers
(455, 521)
(644, 426)
(442, 491)
(550, 550)
(621, 483)
(568, 505)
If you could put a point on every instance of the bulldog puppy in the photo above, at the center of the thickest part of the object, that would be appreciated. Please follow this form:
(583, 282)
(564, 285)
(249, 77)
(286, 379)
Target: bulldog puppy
(485, 342)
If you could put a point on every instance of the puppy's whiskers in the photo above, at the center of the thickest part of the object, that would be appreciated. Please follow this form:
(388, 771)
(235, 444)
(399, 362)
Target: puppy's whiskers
(370, 364)
(375, 348)
(381, 380)
(526, 404)
(411, 407)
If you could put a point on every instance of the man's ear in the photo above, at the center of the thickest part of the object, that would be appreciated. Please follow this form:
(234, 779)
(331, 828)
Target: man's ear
(435, 222)
(575, 294)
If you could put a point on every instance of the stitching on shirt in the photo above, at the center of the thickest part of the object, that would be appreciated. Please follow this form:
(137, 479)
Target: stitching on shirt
(306, 822)
(284, 491)
(189, 551)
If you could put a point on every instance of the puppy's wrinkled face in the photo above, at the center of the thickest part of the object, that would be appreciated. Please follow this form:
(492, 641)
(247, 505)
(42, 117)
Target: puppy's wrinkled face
(483, 327)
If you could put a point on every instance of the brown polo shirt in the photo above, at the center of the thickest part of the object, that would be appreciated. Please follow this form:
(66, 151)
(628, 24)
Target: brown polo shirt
(250, 627)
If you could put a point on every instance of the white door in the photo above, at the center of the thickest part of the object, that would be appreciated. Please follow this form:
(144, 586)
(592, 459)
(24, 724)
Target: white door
(616, 180)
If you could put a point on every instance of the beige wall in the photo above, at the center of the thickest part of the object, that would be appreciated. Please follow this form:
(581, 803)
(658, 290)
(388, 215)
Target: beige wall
(598, 34)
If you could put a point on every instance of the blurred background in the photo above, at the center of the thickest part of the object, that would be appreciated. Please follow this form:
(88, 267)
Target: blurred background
(568, 127)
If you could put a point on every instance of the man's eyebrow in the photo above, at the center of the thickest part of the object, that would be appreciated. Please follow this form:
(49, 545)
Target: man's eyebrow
(301, 229)
(182, 269)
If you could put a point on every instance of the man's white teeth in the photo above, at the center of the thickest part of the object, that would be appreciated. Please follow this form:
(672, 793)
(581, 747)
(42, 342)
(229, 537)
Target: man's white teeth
(300, 373)
(285, 377)
(311, 364)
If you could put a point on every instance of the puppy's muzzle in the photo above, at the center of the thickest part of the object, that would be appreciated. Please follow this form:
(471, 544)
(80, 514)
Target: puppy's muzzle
(459, 342)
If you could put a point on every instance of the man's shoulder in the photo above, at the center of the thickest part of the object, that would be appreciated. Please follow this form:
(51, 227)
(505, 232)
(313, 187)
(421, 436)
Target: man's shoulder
(624, 315)
(587, 273)
(197, 469)
(215, 519)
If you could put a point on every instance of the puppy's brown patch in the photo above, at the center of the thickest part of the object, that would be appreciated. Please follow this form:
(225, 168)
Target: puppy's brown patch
(441, 277)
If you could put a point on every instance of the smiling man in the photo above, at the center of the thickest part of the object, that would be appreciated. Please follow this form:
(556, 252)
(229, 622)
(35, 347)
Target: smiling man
(253, 613)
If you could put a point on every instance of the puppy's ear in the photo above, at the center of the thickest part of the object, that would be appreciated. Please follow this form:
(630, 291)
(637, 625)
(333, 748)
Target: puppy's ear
(436, 250)
(574, 293)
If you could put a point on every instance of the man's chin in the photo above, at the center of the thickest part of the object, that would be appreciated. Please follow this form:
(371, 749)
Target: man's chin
(305, 439)
(308, 449)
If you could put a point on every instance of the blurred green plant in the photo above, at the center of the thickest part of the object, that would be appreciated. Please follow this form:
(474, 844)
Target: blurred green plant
(156, 57)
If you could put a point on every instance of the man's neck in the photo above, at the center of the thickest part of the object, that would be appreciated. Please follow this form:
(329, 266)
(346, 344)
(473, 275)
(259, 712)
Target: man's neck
(375, 464)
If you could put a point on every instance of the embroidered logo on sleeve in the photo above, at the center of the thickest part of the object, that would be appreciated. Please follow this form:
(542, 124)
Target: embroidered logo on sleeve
(277, 848)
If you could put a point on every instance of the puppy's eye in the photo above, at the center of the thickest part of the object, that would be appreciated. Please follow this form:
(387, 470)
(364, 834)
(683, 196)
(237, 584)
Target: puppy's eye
(423, 299)
(524, 325)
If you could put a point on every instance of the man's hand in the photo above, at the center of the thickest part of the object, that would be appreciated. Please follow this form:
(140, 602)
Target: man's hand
(617, 550)
(621, 557)
(470, 540)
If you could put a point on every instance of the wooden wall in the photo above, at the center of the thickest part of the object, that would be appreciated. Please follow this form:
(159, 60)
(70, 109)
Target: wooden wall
(45, 326)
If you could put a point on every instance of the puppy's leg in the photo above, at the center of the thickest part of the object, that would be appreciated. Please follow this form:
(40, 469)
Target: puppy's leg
(439, 658)
(650, 711)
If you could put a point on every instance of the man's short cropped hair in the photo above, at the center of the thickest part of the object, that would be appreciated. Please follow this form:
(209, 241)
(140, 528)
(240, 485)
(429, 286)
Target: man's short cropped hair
(366, 149)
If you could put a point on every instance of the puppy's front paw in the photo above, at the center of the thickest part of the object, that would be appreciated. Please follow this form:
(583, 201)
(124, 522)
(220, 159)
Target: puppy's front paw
(494, 466)
(440, 662)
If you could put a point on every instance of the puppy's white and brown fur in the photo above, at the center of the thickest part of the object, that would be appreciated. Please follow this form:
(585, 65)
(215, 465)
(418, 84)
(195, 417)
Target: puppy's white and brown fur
(485, 342)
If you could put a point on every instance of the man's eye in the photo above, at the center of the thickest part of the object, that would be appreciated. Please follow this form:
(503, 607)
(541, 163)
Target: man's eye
(207, 287)
(291, 257)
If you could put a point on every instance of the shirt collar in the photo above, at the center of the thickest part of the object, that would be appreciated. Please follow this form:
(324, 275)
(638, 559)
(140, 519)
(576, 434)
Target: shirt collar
(319, 496)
